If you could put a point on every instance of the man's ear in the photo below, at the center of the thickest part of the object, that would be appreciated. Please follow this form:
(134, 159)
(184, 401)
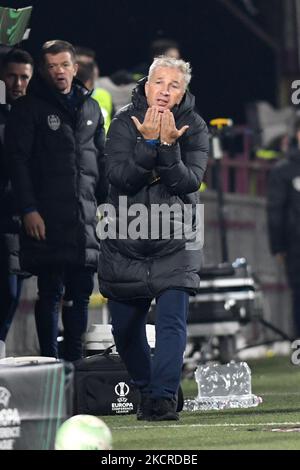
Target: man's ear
(75, 69)
(146, 89)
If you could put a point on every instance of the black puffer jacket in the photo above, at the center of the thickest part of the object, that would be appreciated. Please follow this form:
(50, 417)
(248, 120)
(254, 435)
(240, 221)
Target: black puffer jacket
(284, 212)
(146, 267)
(57, 166)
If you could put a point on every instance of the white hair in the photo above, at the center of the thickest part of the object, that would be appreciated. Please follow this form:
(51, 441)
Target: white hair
(179, 64)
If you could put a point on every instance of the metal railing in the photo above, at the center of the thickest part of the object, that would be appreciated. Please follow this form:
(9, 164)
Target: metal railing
(241, 171)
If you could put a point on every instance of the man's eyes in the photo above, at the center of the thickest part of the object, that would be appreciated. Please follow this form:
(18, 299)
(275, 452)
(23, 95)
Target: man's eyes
(174, 85)
(18, 77)
(55, 66)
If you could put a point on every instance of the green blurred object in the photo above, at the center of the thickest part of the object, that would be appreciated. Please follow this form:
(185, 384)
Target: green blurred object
(13, 25)
(267, 154)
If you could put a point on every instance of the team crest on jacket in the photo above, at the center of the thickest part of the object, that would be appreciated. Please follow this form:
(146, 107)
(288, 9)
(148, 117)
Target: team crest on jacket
(53, 122)
(296, 183)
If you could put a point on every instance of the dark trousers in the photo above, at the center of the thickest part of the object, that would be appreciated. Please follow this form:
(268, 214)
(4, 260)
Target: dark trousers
(10, 292)
(160, 376)
(78, 284)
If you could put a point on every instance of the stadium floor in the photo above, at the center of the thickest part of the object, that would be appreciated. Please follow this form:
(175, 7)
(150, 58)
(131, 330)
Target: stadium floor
(275, 424)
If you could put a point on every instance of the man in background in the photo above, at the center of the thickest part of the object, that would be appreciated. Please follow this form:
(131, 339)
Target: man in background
(16, 73)
(86, 74)
(55, 140)
(284, 219)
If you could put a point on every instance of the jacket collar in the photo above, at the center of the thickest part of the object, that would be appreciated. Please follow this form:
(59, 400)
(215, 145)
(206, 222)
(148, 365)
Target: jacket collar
(40, 88)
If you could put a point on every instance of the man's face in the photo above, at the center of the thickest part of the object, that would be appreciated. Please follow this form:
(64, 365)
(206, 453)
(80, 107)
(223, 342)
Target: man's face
(165, 88)
(59, 70)
(16, 78)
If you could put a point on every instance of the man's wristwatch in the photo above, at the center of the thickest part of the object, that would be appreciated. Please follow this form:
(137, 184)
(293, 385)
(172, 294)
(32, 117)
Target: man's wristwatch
(166, 144)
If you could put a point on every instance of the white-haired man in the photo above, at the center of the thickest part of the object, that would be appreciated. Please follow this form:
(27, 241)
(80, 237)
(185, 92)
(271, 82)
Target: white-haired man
(156, 155)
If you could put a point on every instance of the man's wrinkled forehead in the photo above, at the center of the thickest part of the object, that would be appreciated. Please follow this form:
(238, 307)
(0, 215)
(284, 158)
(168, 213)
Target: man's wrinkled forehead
(167, 73)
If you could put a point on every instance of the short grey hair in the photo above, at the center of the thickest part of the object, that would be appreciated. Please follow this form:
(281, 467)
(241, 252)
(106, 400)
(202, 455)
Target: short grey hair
(179, 64)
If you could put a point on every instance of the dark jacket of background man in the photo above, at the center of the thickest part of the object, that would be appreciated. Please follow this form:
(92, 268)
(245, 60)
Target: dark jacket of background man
(57, 165)
(284, 222)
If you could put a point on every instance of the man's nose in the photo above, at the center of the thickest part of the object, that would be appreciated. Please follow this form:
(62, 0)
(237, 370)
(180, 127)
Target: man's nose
(18, 82)
(165, 91)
